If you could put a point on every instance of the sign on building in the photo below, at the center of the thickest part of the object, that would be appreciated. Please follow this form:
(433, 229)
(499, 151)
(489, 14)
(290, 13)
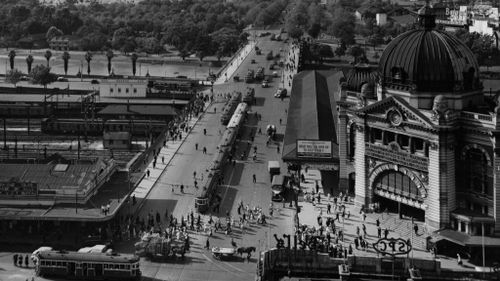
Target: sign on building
(392, 246)
(314, 149)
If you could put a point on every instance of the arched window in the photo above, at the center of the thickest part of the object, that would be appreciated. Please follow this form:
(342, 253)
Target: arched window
(477, 177)
(397, 183)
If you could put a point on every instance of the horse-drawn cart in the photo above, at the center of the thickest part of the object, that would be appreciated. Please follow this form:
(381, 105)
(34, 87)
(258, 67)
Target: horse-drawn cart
(220, 253)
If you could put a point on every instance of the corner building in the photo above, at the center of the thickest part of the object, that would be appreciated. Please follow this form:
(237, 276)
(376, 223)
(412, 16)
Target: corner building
(418, 136)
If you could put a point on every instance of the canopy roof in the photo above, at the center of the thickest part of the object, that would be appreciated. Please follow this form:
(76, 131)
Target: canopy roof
(312, 113)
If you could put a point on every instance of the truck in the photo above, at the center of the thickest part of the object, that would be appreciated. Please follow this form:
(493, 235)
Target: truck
(249, 76)
(155, 246)
(259, 75)
(249, 96)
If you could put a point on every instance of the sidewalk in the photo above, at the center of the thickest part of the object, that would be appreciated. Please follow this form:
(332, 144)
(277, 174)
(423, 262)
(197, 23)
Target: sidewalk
(397, 228)
(168, 152)
(233, 65)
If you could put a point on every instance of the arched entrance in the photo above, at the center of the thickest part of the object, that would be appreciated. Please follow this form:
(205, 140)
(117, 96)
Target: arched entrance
(352, 183)
(397, 192)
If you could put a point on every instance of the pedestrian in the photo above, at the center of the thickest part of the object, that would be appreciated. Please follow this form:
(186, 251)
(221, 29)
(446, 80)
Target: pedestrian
(459, 259)
(182, 188)
(280, 121)
(196, 146)
(204, 150)
(14, 258)
(26, 261)
(260, 131)
(147, 173)
(195, 184)
(364, 216)
(386, 232)
(205, 132)
(194, 175)
(207, 244)
(377, 222)
(254, 177)
(278, 148)
(379, 232)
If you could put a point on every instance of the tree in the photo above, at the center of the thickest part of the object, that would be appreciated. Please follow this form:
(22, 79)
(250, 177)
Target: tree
(13, 76)
(88, 58)
(183, 53)
(340, 50)
(12, 56)
(52, 33)
(66, 57)
(134, 62)
(343, 26)
(325, 51)
(29, 62)
(357, 52)
(48, 55)
(314, 30)
(41, 75)
(109, 55)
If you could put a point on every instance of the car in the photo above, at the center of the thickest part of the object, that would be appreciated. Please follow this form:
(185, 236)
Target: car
(265, 84)
(280, 93)
(236, 78)
(275, 74)
(252, 61)
(94, 81)
(62, 79)
(24, 78)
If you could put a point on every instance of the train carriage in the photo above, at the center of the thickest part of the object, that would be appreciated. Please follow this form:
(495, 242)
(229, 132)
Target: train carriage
(87, 266)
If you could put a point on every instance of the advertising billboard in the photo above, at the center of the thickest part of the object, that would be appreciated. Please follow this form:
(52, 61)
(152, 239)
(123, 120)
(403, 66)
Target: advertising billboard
(314, 149)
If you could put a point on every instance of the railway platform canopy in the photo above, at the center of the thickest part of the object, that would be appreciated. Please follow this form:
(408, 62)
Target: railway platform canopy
(311, 136)
(139, 111)
(59, 191)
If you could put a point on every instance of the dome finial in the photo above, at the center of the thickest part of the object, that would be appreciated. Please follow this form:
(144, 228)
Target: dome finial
(426, 17)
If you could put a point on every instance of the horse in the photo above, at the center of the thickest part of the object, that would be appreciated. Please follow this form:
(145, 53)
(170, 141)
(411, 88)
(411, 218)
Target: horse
(247, 250)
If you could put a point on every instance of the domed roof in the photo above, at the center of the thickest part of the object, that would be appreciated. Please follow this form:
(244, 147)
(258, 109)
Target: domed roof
(429, 60)
(360, 74)
(368, 90)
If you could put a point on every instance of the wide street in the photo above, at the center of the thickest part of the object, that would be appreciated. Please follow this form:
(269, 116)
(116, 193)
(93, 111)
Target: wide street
(238, 185)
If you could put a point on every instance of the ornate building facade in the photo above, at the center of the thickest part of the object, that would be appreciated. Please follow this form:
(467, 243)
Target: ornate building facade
(417, 135)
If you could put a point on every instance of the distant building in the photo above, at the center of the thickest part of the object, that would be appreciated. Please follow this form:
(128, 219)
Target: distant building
(381, 19)
(59, 43)
(123, 88)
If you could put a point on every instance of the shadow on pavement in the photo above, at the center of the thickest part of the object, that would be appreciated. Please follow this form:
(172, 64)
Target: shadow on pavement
(235, 172)
(259, 101)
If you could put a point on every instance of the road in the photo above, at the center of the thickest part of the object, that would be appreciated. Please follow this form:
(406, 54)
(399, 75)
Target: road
(200, 265)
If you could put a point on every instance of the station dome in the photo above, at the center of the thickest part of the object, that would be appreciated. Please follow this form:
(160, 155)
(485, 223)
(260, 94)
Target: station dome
(428, 60)
(360, 74)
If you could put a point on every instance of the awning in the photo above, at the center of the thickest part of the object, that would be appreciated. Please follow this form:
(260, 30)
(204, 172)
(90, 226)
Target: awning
(472, 217)
(452, 236)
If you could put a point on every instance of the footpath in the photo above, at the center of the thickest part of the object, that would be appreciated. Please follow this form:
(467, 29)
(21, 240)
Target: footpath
(398, 228)
(165, 156)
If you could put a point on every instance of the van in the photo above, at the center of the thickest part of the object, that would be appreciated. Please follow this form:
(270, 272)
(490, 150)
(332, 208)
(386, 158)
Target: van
(278, 187)
(273, 167)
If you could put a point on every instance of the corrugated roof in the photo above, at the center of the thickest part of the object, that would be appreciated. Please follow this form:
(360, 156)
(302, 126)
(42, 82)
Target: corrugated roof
(312, 112)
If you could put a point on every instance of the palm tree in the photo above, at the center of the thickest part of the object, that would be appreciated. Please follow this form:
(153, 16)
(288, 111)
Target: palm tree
(48, 55)
(88, 58)
(12, 55)
(66, 58)
(134, 62)
(109, 55)
(29, 62)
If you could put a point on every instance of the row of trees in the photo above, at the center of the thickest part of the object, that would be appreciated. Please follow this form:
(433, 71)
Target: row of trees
(207, 27)
(66, 57)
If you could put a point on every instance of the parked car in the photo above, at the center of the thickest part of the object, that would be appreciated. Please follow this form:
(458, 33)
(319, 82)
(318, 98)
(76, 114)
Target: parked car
(62, 79)
(265, 84)
(94, 81)
(280, 93)
(252, 61)
(275, 73)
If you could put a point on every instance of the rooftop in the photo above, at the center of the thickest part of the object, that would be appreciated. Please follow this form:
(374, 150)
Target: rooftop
(141, 110)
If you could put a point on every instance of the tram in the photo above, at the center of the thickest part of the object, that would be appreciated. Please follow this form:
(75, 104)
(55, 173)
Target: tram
(87, 266)
(230, 107)
(223, 150)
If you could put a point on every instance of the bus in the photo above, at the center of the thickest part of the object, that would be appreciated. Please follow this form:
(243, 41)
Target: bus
(87, 266)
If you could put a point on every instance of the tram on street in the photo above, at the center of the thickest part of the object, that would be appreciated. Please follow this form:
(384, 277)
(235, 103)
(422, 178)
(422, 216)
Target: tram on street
(230, 107)
(87, 266)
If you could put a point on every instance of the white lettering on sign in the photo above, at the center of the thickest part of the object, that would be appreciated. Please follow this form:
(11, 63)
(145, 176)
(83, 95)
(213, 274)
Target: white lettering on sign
(314, 148)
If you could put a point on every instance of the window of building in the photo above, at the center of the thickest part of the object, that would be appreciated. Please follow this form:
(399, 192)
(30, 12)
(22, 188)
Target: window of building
(135, 90)
(111, 90)
(119, 90)
(111, 141)
(404, 142)
(478, 173)
(352, 141)
(376, 135)
(389, 137)
(126, 90)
